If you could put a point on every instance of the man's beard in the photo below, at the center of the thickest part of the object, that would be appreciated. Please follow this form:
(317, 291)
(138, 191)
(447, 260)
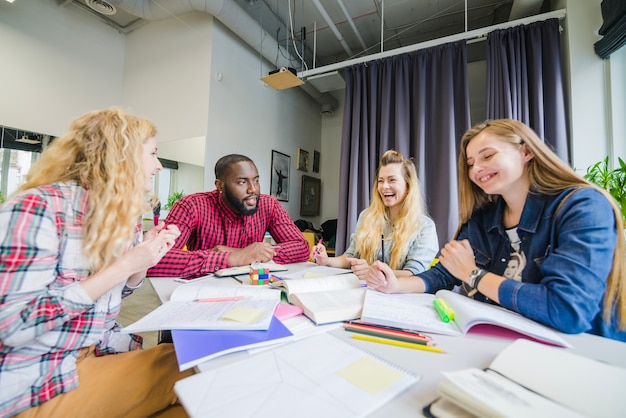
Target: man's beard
(239, 205)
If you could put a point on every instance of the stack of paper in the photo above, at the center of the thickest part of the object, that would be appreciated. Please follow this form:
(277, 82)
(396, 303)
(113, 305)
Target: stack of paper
(195, 347)
(320, 376)
(199, 307)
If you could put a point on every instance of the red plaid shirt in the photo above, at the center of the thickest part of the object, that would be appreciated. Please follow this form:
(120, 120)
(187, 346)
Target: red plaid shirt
(205, 222)
(46, 317)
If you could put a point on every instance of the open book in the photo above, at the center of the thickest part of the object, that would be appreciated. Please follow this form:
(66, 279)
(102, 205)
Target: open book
(210, 307)
(325, 299)
(311, 272)
(319, 376)
(528, 379)
(236, 271)
(416, 312)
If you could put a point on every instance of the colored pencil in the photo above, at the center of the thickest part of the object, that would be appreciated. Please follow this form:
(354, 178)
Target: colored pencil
(397, 331)
(397, 343)
(390, 335)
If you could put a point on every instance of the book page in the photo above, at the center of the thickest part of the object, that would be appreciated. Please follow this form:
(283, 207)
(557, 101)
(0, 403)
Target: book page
(317, 271)
(489, 394)
(242, 307)
(318, 284)
(413, 311)
(330, 306)
(582, 384)
(202, 290)
(319, 376)
(469, 313)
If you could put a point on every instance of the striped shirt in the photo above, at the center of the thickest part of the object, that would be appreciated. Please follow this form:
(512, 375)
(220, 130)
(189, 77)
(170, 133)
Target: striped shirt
(45, 315)
(205, 221)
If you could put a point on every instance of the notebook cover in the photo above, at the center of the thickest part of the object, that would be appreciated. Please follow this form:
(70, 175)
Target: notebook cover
(195, 346)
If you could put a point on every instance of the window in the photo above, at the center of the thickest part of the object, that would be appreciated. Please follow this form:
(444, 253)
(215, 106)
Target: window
(15, 166)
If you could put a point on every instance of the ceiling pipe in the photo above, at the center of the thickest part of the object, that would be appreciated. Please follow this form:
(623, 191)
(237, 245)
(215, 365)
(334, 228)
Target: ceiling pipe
(524, 8)
(232, 16)
(333, 27)
(352, 25)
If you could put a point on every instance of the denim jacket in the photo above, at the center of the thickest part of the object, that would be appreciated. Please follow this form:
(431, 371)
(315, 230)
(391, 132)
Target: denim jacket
(569, 249)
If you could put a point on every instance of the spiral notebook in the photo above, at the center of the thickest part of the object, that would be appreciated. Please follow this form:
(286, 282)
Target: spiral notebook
(321, 375)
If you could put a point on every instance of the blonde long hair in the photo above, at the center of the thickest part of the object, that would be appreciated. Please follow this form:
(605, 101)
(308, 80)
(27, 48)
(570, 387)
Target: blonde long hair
(548, 174)
(102, 152)
(407, 224)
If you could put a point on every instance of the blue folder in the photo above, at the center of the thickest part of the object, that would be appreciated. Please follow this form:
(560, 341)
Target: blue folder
(196, 346)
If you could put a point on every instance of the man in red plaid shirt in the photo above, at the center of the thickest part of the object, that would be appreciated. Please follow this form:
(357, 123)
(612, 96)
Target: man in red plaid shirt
(225, 227)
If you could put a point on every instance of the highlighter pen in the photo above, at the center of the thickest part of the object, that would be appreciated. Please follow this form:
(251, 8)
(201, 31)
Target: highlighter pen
(446, 308)
(442, 313)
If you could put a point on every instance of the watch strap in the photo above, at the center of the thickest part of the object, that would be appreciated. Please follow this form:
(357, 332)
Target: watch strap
(475, 277)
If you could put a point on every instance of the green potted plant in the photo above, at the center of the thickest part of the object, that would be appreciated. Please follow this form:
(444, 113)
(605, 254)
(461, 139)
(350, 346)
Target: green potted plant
(614, 181)
(171, 199)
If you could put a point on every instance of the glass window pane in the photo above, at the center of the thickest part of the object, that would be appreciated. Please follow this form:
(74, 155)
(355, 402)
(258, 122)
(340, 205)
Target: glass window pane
(19, 165)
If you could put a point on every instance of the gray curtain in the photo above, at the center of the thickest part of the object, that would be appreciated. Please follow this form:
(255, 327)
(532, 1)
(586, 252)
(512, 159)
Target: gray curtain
(524, 80)
(417, 104)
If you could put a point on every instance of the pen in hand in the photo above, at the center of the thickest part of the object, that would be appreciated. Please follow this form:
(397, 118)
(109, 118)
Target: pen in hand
(317, 250)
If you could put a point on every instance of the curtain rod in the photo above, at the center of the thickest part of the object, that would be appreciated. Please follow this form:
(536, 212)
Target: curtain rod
(470, 35)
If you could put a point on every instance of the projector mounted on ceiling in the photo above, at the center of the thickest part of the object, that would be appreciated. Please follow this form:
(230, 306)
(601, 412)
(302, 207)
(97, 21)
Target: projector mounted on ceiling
(283, 78)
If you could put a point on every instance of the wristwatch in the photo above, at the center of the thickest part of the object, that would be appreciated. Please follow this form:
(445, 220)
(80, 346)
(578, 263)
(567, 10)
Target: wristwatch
(475, 276)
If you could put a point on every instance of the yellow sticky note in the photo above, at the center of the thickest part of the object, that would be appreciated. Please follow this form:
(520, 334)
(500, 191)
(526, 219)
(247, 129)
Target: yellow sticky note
(370, 375)
(313, 275)
(244, 314)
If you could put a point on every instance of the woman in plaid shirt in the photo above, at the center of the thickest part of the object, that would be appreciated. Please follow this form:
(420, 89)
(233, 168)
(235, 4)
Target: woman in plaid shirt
(70, 248)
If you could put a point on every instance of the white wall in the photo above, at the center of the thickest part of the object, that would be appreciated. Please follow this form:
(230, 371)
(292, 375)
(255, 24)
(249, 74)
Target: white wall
(190, 178)
(617, 116)
(596, 94)
(247, 117)
(167, 73)
(329, 160)
(57, 63)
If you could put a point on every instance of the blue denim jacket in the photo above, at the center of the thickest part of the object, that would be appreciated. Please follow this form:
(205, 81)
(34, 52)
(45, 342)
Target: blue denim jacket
(569, 255)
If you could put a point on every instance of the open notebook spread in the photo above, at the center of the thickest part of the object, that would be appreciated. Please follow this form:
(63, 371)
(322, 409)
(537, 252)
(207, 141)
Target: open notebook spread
(325, 299)
(319, 376)
(224, 308)
(416, 312)
(528, 379)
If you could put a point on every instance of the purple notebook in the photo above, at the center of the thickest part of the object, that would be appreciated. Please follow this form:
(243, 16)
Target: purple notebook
(196, 346)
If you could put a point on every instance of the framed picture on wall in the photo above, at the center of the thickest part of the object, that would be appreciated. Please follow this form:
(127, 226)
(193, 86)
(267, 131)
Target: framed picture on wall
(316, 161)
(303, 160)
(279, 182)
(310, 196)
